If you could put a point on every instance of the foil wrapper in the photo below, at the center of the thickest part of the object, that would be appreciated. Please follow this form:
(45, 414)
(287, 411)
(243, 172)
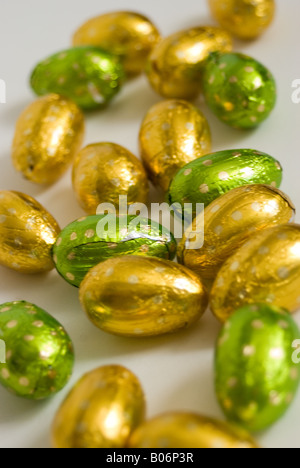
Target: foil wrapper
(138, 297)
(256, 378)
(39, 352)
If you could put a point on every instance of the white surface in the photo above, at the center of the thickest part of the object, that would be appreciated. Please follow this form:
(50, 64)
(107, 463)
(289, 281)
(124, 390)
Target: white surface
(176, 371)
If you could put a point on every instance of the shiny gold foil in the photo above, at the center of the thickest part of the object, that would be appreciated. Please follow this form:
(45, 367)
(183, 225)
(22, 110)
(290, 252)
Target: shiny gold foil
(175, 66)
(139, 296)
(244, 19)
(187, 430)
(264, 270)
(173, 134)
(48, 135)
(101, 411)
(27, 234)
(229, 222)
(104, 171)
(129, 35)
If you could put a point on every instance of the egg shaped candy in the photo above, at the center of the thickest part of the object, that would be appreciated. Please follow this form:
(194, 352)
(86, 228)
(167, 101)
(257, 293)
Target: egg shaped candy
(175, 67)
(48, 135)
(140, 296)
(127, 34)
(89, 76)
(27, 234)
(101, 411)
(229, 222)
(245, 20)
(104, 171)
(172, 134)
(256, 378)
(239, 90)
(188, 430)
(39, 352)
(265, 269)
(206, 179)
(94, 239)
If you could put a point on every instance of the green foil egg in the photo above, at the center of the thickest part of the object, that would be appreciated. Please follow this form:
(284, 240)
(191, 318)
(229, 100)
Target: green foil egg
(38, 351)
(89, 241)
(256, 378)
(239, 90)
(207, 178)
(88, 76)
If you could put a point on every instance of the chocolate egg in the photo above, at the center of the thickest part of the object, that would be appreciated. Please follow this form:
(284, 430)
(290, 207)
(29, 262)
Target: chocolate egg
(94, 239)
(48, 135)
(27, 234)
(101, 411)
(229, 222)
(173, 134)
(175, 67)
(206, 179)
(135, 296)
(89, 76)
(239, 90)
(265, 269)
(188, 430)
(127, 34)
(256, 378)
(104, 171)
(244, 19)
(39, 352)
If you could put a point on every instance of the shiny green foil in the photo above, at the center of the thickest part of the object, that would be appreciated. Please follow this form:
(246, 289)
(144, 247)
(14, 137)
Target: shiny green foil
(39, 352)
(207, 178)
(238, 89)
(255, 376)
(86, 243)
(89, 76)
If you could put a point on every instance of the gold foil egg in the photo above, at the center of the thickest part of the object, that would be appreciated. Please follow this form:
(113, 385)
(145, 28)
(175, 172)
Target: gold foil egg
(188, 430)
(173, 134)
(104, 171)
(244, 19)
(129, 35)
(229, 222)
(101, 411)
(27, 234)
(264, 270)
(48, 135)
(139, 296)
(175, 66)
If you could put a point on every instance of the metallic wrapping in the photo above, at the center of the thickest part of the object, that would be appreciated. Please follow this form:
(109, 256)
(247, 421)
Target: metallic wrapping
(89, 76)
(206, 179)
(230, 221)
(128, 35)
(101, 411)
(104, 171)
(48, 135)
(94, 239)
(175, 67)
(39, 352)
(256, 379)
(187, 430)
(172, 134)
(265, 269)
(243, 18)
(27, 234)
(239, 90)
(138, 297)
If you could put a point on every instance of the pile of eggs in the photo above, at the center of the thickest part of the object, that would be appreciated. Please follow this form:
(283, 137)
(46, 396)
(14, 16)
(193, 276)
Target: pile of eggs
(246, 267)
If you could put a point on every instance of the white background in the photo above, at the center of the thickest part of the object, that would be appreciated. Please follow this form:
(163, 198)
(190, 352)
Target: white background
(176, 371)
